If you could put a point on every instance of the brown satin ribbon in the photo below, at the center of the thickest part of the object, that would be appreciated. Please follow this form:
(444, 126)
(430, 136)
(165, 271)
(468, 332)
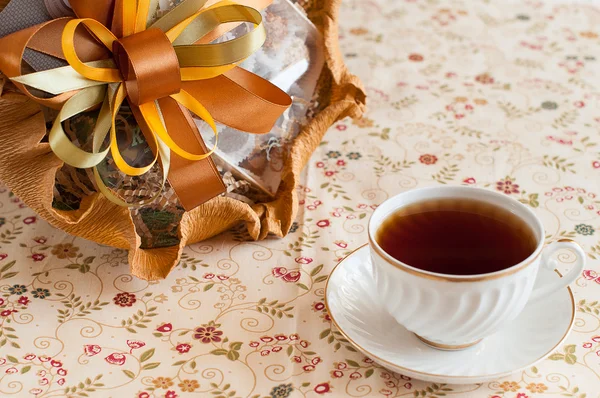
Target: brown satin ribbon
(100, 10)
(137, 55)
(234, 99)
(13, 46)
(240, 90)
(195, 182)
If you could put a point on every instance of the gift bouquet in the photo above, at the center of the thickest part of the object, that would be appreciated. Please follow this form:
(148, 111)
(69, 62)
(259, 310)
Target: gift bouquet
(151, 124)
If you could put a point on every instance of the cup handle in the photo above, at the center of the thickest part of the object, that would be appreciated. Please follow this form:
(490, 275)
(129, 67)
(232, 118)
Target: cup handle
(550, 264)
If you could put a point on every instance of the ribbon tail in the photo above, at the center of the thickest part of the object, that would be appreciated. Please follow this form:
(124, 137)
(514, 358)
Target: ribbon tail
(194, 182)
(236, 97)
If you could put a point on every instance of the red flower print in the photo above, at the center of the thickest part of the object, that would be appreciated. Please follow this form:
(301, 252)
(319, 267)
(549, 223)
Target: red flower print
(428, 159)
(383, 391)
(209, 276)
(596, 164)
(222, 277)
(329, 173)
(183, 348)
(336, 374)
(36, 391)
(29, 220)
(1, 301)
(279, 271)
(40, 239)
(143, 394)
(44, 358)
(264, 353)
(115, 359)
(341, 127)
(355, 375)
(316, 360)
(277, 348)
(304, 343)
(323, 223)
(38, 257)
(341, 162)
(304, 260)
(23, 300)
(133, 344)
(254, 344)
(292, 276)
(507, 186)
(5, 313)
(390, 384)
(11, 370)
(415, 57)
(308, 368)
(408, 386)
(294, 336)
(596, 339)
(297, 359)
(484, 78)
(3, 256)
(2, 361)
(171, 394)
(266, 339)
(56, 364)
(206, 334)
(590, 274)
(91, 349)
(342, 365)
(340, 243)
(320, 165)
(61, 372)
(318, 306)
(367, 360)
(579, 104)
(469, 180)
(322, 388)
(61, 382)
(124, 299)
(280, 337)
(522, 395)
(29, 357)
(587, 345)
(165, 327)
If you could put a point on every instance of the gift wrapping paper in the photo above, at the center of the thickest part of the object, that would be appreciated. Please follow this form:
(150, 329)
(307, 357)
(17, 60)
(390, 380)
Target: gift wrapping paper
(494, 94)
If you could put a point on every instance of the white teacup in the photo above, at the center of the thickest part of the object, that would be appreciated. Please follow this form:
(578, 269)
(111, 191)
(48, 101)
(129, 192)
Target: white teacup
(455, 311)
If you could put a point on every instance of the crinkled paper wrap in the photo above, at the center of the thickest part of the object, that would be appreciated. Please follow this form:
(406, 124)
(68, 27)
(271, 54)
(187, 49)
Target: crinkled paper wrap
(28, 167)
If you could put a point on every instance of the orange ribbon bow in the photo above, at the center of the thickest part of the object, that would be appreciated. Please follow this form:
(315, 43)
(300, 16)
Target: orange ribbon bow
(164, 71)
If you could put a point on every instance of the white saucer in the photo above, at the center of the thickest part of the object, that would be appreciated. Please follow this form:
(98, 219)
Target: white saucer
(352, 302)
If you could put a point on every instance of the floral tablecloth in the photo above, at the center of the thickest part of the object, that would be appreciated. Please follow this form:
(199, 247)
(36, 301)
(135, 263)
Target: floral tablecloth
(486, 93)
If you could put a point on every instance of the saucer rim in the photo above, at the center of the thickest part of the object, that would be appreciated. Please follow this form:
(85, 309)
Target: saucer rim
(386, 362)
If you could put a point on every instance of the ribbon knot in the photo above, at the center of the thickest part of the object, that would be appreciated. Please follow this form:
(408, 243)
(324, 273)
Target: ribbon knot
(147, 80)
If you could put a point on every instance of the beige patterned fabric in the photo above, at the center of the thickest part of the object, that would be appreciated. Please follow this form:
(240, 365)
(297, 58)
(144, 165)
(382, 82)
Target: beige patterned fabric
(499, 95)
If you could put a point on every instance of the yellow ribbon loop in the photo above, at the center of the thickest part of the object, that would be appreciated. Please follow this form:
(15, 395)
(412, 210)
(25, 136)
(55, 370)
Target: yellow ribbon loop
(114, 146)
(106, 37)
(151, 115)
(142, 15)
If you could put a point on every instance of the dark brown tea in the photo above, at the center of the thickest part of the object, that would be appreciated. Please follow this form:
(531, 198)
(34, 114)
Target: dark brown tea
(456, 237)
